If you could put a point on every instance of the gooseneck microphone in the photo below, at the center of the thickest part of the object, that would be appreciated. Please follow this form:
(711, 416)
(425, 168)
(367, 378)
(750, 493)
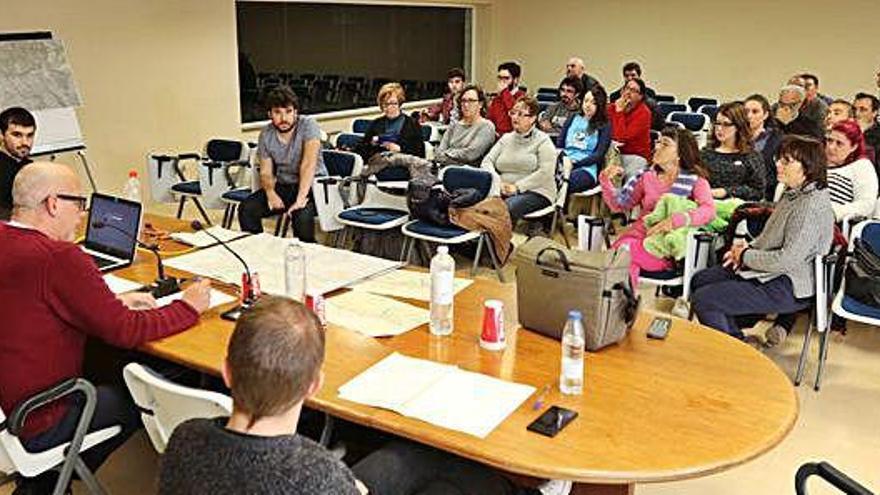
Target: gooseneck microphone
(247, 286)
(163, 285)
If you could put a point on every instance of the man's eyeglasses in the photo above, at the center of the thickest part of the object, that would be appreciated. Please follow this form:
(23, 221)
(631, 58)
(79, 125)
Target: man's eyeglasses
(504, 78)
(82, 202)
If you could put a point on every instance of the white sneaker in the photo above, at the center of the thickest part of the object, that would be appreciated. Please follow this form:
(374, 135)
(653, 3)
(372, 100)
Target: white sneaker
(681, 308)
(555, 487)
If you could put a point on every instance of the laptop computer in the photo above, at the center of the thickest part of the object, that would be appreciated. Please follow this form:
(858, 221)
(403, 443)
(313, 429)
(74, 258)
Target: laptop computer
(112, 231)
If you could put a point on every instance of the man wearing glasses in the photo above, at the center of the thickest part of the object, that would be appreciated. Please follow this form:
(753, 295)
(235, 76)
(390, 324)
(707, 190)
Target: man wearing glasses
(289, 153)
(52, 298)
(789, 116)
(508, 94)
(17, 130)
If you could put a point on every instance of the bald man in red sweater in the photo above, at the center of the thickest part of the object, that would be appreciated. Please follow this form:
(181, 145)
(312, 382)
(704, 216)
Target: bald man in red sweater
(52, 297)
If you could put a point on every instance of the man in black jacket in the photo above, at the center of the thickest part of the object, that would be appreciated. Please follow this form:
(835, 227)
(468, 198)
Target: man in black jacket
(17, 130)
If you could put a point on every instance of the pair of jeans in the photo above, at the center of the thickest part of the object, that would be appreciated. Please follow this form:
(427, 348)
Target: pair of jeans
(581, 180)
(406, 468)
(256, 207)
(114, 407)
(723, 300)
(524, 203)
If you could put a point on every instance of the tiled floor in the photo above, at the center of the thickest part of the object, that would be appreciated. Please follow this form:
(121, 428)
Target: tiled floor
(840, 424)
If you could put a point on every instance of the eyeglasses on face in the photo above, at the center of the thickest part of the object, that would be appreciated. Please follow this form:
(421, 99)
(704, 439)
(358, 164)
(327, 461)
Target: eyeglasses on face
(390, 104)
(504, 78)
(519, 113)
(82, 202)
(470, 100)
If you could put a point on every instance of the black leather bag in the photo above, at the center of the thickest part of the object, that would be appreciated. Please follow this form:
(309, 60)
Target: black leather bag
(863, 274)
(427, 200)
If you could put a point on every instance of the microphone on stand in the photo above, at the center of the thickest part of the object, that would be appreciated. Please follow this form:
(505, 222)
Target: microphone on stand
(163, 285)
(248, 289)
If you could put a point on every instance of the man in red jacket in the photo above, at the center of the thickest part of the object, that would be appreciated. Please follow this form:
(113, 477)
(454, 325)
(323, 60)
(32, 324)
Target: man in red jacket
(509, 93)
(52, 297)
(631, 126)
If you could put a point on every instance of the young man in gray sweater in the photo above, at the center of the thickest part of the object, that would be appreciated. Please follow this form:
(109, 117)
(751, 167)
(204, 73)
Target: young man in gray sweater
(273, 364)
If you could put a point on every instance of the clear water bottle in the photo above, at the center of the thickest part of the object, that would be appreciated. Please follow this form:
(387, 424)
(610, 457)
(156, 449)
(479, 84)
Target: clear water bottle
(571, 376)
(295, 271)
(442, 292)
(132, 189)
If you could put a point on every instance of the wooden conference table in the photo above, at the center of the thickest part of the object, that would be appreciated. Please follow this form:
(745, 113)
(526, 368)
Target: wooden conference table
(696, 403)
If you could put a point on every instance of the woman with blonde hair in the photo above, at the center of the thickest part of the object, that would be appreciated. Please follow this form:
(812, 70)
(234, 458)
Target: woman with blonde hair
(394, 130)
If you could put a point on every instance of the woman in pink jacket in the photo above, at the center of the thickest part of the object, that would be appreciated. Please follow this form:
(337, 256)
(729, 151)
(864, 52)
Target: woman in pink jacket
(676, 169)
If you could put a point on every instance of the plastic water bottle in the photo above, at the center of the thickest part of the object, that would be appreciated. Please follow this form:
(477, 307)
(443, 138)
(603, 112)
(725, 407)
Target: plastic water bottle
(442, 292)
(132, 189)
(571, 376)
(295, 271)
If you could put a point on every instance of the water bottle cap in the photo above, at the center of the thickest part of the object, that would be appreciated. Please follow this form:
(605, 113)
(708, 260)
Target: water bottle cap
(133, 173)
(575, 315)
(443, 249)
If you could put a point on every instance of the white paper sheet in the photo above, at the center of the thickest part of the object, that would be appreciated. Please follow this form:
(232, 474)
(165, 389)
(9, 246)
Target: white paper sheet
(217, 298)
(436, 393)
(201, 239)
(374, 315)
(327, 268)
(119, 285)
(407, 284)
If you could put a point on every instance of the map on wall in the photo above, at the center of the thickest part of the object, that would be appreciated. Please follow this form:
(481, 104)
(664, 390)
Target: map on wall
(35, 74)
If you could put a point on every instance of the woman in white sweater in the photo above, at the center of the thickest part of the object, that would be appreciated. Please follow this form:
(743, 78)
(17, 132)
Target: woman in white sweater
(852, 179)
(523, 163)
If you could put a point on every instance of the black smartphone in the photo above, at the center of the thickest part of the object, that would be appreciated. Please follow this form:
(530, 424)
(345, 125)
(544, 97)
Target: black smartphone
(659, 327)
(552, 421)
(231, 314)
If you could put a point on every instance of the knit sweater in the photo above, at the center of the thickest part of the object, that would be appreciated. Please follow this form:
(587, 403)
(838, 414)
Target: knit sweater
(203, 456)
(853, 189)
(52, 297)
(633, 129)
(743, 175)
(465, 144)
(526, 160)
(800, 228)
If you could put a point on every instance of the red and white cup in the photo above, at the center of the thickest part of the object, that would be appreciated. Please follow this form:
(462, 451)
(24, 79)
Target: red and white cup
(492, 336)
(315, 302)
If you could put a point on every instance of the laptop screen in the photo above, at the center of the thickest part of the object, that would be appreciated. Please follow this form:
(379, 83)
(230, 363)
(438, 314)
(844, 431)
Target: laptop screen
(113, 226)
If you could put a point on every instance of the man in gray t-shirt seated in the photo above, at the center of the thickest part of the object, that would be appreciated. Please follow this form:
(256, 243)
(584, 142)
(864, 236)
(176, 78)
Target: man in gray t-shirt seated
(289, 154)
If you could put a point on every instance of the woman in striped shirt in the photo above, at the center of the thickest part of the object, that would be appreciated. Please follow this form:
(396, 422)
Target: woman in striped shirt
(852, 180)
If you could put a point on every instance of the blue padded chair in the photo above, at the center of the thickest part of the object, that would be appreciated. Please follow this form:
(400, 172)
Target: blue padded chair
(215, 177)
(547, 98)
(694, 122)
(347, 141)
(709, 111)
(664, 98)
(845, 306)
(665, 108)
(383, 207)
(235, 196)
(696, 102)
(360, 126)
(548, 91)
(453, 178)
